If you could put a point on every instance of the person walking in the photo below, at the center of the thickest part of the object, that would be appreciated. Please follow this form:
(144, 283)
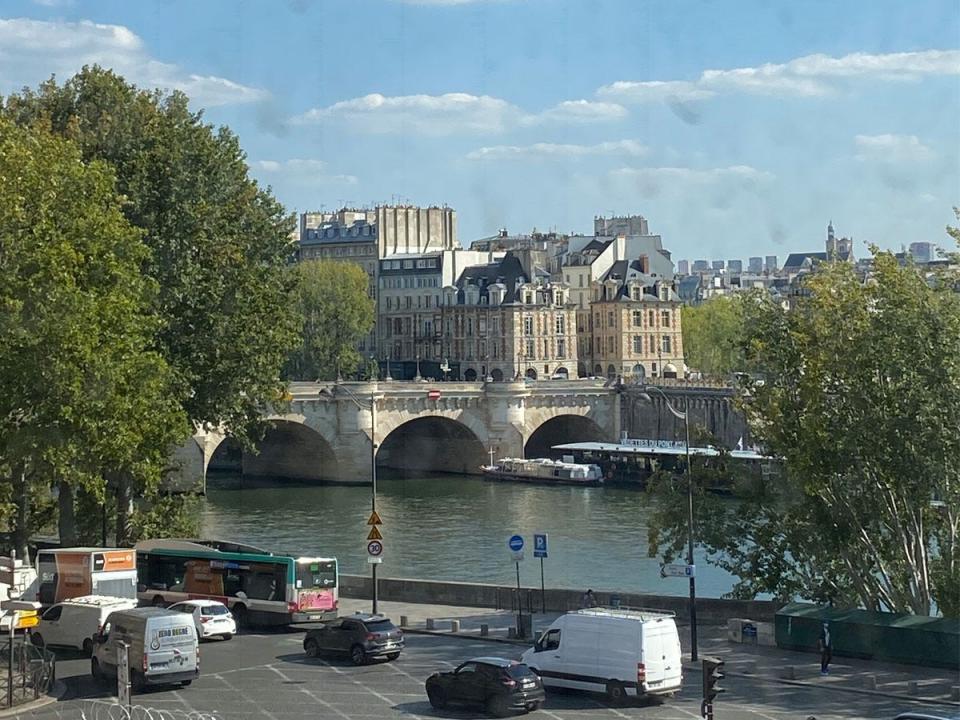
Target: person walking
(825, 644)
(588, 600)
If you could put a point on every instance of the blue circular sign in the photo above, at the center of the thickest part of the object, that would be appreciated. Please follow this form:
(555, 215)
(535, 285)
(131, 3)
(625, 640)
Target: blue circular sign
(515, 543)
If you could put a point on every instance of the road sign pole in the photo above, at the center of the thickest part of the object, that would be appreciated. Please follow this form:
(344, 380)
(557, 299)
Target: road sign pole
(13, 624)
(519, 605)
(543, 591)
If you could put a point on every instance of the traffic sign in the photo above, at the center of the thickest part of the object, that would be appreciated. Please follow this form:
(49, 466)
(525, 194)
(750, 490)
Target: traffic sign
(375, 548)
(515, 543)
(374, 534)
(374, 519)
(374, 559)
(687, 571)
(540, 545)
(433, 394)
(27, 622)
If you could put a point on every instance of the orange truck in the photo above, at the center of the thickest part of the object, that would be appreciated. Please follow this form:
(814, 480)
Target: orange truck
(65, 573)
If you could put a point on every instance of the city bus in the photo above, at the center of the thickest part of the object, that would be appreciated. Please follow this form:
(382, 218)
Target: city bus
(64, 573)
(259, 587)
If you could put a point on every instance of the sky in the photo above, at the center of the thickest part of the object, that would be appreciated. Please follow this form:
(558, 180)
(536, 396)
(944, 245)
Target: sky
(736, 128)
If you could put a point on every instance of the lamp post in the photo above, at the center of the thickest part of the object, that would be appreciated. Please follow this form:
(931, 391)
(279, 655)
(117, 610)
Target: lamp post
(371, 407)
(685, 416)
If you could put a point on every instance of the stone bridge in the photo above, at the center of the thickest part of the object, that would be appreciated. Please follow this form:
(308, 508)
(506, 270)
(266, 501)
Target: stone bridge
(329, 429)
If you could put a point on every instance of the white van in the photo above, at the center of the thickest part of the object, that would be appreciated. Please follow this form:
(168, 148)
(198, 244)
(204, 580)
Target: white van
(75, 622)
(617, 651)
(163, 647)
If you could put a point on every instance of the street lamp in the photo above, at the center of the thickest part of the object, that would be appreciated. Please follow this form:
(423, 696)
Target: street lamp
(371, 407)
(685, 416)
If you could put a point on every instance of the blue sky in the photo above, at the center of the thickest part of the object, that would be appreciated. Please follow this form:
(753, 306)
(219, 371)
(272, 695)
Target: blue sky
(737, 128)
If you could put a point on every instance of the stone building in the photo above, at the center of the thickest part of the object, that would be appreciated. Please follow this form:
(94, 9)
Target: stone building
(498, 324)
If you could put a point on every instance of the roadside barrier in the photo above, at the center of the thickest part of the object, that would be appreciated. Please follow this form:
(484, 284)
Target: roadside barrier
(97, 710)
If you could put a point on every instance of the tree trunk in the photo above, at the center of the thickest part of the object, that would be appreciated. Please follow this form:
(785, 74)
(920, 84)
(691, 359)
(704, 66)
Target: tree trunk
(67, 516)
(124, 508)
(21, 517)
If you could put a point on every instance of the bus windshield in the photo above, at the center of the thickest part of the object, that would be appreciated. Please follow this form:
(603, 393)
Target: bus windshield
(319, 574)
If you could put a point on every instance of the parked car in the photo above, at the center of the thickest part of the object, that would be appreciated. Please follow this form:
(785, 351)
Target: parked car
(362, 637)
(74, 622)
(617, 651)
(499, 685)
(211, 618)
(927, 715)
(162, 647)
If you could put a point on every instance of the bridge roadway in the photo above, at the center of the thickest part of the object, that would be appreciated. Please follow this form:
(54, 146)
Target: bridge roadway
(327, 430)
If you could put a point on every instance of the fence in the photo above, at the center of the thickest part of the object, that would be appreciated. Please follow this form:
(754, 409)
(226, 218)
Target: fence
(34, 673)
(98, 710)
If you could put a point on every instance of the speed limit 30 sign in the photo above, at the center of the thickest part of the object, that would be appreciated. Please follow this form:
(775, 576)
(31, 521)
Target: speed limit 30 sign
(375, 548)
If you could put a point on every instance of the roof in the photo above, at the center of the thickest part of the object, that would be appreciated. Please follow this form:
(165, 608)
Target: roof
(673, 451)
(199, 602)
(100, 601)
(507, 271)
(495, 661)
(366, 617)
(797, 259)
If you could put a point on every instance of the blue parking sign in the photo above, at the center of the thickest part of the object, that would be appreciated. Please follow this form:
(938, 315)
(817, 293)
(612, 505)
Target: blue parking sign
(540, 545)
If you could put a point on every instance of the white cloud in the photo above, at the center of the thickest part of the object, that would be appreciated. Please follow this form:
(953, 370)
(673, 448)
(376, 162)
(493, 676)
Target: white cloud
(630, 148)
(302, 171)
(53, 3)
(891, 148)
(810, 75)
(453, 113)
(32, 50)
(743, 174)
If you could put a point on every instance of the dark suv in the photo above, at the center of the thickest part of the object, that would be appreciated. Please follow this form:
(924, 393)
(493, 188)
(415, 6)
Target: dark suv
(501, 686)
(360, 636)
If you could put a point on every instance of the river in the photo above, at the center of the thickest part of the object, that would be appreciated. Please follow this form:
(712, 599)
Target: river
(448, 527)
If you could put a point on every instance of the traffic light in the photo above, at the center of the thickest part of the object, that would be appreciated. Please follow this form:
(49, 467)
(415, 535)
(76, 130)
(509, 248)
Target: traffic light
(712, 675)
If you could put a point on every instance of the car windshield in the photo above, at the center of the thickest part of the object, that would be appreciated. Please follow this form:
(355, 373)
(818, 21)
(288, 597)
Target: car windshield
(213, 610)
(380, 626)
(518, 671)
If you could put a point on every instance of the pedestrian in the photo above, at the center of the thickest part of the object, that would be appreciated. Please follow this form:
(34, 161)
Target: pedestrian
(588, 600)
(825, 645)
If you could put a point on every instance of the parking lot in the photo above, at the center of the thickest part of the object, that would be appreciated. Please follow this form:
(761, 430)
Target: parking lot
(266, 675)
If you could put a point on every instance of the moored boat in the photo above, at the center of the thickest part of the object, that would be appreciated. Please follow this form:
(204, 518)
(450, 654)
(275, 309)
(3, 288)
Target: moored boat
(543, 470)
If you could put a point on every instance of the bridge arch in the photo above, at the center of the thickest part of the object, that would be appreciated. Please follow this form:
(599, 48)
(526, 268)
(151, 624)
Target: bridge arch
(433, 443)
(562, 428)
(289, 450)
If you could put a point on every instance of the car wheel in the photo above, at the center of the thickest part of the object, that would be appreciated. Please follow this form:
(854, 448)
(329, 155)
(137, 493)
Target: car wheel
(158, 601)
(616, 692)
(497, 706)
(87, 647)
(392, 656)
(534, 706)
(37, 639)
(311, 647)
(437, 699)
(240, 616)
(186, 683)
(357, 655)
(137, 681)
(96, 672)
(228, 636)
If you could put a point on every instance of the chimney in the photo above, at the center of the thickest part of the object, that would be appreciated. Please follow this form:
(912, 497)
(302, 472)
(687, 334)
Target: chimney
(645, 264)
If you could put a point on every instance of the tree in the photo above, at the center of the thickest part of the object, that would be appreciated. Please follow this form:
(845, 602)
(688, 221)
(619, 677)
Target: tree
(218, 244)
(336, 312)
(712, 335)
(81, 390)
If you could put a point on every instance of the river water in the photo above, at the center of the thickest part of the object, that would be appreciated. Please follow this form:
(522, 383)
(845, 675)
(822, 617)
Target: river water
(448, 527)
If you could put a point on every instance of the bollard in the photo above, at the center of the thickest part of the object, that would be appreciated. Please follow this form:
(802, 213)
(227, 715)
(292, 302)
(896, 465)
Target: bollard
(870, 681)
(955, 693)
(431, 624)
(913, 688)
(484, 630)
(511, 632)
(404, 621)
(454, 626)
(788, 672)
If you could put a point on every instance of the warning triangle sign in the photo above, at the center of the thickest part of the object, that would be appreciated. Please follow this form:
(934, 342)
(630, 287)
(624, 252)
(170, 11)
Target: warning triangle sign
(374, 519)
(374, 534)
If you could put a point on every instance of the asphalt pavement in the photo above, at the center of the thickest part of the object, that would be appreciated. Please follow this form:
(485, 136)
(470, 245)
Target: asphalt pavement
(266, 675)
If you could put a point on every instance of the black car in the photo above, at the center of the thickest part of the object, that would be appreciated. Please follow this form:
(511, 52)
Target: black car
(360, 636)
(501, 686)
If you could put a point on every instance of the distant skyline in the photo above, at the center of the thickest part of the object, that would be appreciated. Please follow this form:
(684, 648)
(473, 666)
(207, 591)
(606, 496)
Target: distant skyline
(736, 128)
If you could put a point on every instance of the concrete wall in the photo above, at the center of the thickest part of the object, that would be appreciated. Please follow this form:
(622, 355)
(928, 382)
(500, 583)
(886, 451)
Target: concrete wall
(709, 610)
(710, 407)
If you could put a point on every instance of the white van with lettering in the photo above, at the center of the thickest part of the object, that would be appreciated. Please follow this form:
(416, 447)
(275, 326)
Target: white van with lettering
(621, 652)
(163, 647)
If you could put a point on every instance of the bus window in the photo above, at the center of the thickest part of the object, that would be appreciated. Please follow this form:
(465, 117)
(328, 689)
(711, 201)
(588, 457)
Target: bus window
(317, 575)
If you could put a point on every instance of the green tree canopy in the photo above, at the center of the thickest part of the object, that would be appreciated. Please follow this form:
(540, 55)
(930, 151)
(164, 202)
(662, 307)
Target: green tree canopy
(81, 390)
(332, 301)
(218, 244)
(713, 334)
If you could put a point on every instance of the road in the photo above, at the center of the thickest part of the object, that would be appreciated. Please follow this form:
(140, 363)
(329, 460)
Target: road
(266, 675)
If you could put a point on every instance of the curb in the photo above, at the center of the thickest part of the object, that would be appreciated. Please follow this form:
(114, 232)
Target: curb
(58, 691)
(697, 668)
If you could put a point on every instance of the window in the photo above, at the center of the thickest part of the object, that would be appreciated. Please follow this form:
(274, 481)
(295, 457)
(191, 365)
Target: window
(469, 327)
(529, 349)
(666, 343)
(561, 349)
(610, 343)
(665, 318)
(638, 318)
(427, 300)
(638, 344)
(495, 325)
(610, 322)
(527, 325)
(409, 302)
(550, 641)
(561, 324)
(53, 613)
(389, 303)
(598, 323)
(482, 325)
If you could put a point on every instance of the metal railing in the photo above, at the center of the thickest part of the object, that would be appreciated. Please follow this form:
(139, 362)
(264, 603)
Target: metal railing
(34, 673)
(100, 710)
